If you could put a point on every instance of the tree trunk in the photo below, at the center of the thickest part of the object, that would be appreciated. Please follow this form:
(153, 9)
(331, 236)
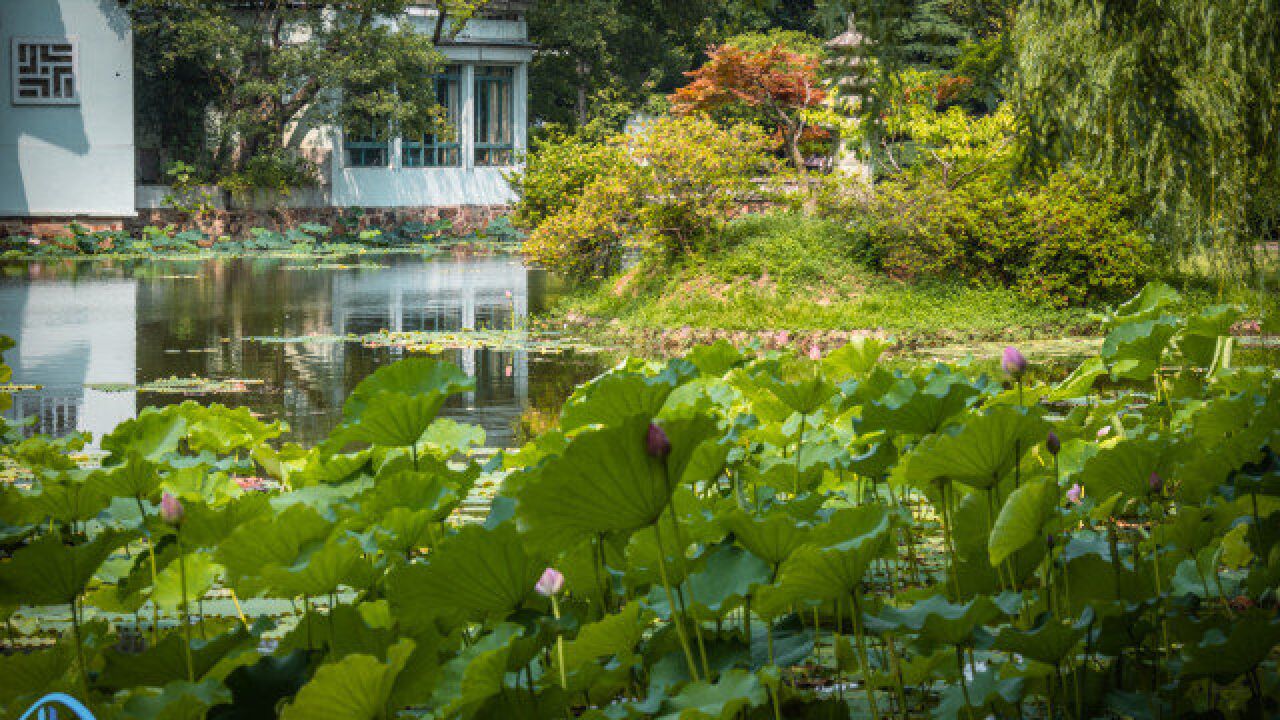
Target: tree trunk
(584, 69)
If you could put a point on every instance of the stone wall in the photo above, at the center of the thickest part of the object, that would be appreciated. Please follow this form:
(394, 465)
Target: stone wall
(236, 223)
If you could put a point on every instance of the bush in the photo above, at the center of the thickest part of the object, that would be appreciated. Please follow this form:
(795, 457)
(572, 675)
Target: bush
(555, 173)
(665, 191)
(789, 247)
(1067, 242)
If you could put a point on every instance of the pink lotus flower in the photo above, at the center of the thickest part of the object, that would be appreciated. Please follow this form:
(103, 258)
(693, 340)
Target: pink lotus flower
(815, 352)
(657, 444)
(1074, 494)
(550, 584)
(783, 338)
(171, 511)
(1104, 431)
(1013, 361)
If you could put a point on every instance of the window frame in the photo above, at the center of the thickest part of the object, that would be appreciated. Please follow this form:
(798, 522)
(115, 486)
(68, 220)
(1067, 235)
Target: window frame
(494, 154)
(421, 154)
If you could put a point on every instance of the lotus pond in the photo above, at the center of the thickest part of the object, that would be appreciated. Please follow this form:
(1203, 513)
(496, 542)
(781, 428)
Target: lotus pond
(725, 535)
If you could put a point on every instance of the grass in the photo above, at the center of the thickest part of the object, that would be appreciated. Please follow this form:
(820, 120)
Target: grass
(801, 274)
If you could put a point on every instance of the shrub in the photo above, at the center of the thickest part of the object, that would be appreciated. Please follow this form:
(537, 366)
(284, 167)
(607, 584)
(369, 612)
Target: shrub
(665, 191)
(1067, 242)
(555, 173)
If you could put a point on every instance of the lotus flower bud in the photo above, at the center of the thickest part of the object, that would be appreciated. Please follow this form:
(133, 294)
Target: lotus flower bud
(1155, 482)
(1052, 443)
(1013, 361)
(1050, 541)
(657, 444)
(1104, 431)
(171, 511)
(1074, 494)
(551, 583)
(815, 352)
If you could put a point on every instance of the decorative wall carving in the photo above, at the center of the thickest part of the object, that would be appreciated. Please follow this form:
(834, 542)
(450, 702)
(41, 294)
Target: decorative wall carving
(45, 71)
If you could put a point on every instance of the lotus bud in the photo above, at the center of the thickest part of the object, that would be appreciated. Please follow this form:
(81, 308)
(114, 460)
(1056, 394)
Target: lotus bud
(657, 444)
(1050, 541)
(551, 583)
(1104, 431)
(171, 511)
(1013, 361)
(1052, 443)
(815, 352)
(1155, 482)
(1075, 494)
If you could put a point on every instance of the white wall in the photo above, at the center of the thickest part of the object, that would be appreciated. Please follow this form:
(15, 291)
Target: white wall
(70, 159)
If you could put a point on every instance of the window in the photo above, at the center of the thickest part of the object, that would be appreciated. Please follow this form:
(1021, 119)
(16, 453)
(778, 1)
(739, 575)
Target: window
(366, 149)
(44, 71)
(495, 97)
(435, 150)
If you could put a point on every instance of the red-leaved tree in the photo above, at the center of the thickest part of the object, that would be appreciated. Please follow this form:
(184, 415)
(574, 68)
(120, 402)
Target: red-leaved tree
(777, 83)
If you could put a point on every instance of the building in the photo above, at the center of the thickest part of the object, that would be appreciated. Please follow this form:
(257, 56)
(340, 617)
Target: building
(67, 137)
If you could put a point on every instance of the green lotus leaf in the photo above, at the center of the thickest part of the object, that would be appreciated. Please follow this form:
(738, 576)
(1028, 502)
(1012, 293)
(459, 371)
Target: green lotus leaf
(434, 491)
(258, 689)
(28, 675)
(1225, 655)
(618, 394)
(771, 537)
(1149, 303)
(477, 572)
(728, 575)
(1133, 350)
(804, 391)
(936, 622)
(357, 687)
(1049, 642)
(1080, 382)
(1124, 467)
(715, 359)
(854, 358)
(320, 570)
(74, 496)
(283, 462)
(268, 542)
(979, 450)
(410, 377)
(166, 661)
(447, 438)
(1023, 518)
(698, 450)
(909, 410)
(834, 564)
(604, 481)
(1199, 338)
(985, 692)
(615, 635)
(201, 572)
(400, 531)
(152, 435)
(135, 478)
(475, 674)
(206, 526)
(48, 572)
(394, 420)
(177, 700)
(732, 693)
(329, 469)
(223, 430)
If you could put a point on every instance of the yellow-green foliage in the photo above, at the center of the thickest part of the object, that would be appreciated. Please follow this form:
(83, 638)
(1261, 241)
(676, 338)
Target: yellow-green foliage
(664, 190)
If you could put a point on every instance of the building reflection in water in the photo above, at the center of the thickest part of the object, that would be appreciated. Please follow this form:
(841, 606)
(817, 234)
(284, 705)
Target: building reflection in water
(271, 320)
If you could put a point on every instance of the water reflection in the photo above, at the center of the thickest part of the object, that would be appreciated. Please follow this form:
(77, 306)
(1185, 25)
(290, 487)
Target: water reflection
(83, 328)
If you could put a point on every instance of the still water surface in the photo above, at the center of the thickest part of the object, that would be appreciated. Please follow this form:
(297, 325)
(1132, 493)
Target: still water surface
(90, 333)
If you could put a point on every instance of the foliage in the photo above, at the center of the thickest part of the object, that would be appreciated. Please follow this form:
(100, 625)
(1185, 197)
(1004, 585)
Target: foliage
(1193, 126)
(266, 88)
(777, 83)
(675, 183)
(733, 532)
(557, 169)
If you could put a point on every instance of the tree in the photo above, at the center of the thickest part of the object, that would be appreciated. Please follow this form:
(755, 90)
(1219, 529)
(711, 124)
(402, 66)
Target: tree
(778, 83)
(274, 69)
(1176, 99)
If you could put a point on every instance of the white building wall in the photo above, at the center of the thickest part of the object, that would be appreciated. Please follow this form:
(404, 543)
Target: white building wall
(69, 159)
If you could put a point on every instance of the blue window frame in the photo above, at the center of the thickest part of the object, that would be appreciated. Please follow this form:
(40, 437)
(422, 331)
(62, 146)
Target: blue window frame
(365, 149)
(438, 149)
(495, 128)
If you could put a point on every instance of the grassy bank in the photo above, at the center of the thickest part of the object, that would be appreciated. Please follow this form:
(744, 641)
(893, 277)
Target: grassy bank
(789, 278)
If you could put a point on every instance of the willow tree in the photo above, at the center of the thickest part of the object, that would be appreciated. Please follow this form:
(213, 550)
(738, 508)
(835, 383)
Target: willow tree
(1175, 99)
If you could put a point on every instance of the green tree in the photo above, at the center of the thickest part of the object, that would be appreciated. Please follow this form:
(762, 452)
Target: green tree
(1175, 98)
(273, 69)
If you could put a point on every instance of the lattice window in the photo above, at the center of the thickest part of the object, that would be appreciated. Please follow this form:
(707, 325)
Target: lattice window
(45, 71)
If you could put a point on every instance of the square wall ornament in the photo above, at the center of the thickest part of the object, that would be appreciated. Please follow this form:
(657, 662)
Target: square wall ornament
(46, 71)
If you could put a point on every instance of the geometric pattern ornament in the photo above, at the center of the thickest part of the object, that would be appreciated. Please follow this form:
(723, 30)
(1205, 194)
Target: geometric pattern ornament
(45, 71)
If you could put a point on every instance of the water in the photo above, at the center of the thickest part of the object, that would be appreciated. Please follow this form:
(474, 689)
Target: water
(91, 332)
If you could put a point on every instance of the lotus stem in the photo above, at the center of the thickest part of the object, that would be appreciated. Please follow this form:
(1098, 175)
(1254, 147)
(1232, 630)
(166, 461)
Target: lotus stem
(799, 450)
(239, 610)
(686, 607)
(151, 555)
(858, 635)
(964, 687)
(946, 530)
(186, 613)
(79, 638)
(671, 603)
(555, 610)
